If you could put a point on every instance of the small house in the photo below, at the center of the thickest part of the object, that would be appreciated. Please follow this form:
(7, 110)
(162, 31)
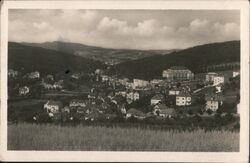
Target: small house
(213, 102)
(218, 80)
(53, 106)
(133, 96)
(34, 75)
(235, 73)
(156, 99)
(12, 73)
(135, 113)
(183, 99)
(24, 90)
(77, 103)
(174, 91)
(219, 88)
(163, 111)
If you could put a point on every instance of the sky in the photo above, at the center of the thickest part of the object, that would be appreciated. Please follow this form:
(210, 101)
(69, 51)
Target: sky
(126, 29)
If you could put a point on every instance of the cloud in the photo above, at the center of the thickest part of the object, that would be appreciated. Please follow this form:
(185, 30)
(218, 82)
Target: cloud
(93, 27)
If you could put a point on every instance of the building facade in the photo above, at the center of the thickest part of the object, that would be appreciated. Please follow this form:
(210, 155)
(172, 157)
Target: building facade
(177, 73)
(210, 76)
(218, 80)
(213, 102)
(183, 99)
(139, 83)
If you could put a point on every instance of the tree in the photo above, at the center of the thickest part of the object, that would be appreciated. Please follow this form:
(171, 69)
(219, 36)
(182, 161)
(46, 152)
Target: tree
(209, 111)
(190, 112)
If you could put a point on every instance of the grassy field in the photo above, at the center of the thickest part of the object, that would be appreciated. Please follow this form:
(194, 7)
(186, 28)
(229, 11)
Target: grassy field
(90, 138)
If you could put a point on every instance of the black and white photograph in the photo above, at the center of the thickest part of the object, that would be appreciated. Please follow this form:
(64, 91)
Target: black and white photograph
(125, 80)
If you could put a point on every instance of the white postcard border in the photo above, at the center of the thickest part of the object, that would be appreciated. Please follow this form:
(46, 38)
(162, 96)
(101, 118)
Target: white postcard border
(241, 156)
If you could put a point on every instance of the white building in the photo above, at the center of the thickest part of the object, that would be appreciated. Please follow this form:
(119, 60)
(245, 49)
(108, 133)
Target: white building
(219, 88)
(123, 81)
(139, 83)
(77, 103)
(218, 80)
(133, 96)
(177, 73)
(183, 99)
(155, 81)
(34, 75)
(210, 76)
(174, 91)
(24, 90)
(213, 102)
(12, 73)
(122, 93)
(52, 106)
(105, 78)
(156, 99)
(236, 73)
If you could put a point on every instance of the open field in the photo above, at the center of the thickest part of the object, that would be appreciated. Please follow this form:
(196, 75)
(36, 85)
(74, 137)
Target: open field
(96, 138)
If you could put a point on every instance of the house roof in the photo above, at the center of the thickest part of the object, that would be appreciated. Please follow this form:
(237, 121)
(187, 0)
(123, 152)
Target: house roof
(169, 111)
(158, 97)
(51, 102)
(214, 97)
(136, 112)
(77, 100)
(220, 85)
(175, 89)
(184, 94)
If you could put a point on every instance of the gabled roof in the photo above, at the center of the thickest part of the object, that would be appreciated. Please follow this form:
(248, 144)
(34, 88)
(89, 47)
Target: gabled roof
(169, 111)
(158, 97)
(214, 97)
(184, 94)
(51, 102)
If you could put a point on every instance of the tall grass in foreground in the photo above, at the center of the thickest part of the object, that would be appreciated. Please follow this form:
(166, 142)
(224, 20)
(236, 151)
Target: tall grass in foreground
(95, 138)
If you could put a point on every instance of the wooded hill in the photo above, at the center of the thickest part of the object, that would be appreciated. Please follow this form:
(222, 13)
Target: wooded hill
(196, 59)
(28, 58)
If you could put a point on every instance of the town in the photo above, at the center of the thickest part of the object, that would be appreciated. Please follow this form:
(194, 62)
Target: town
(99, 96)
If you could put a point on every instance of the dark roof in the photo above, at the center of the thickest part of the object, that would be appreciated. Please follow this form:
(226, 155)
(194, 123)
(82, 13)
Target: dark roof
(214, 97)
(169, 111)
(51, 102)
(184, 94)
(158, 97)
(178, 68)
(77, 100)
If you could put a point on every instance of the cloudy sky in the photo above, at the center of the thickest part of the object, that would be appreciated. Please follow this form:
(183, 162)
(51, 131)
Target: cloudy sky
(133, 29)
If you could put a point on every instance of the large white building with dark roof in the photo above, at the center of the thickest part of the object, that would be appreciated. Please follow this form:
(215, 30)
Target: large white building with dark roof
(177, 73)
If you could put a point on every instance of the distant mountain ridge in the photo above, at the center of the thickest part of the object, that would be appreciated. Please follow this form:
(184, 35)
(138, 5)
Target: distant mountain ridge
(196, 59)
(98, 53)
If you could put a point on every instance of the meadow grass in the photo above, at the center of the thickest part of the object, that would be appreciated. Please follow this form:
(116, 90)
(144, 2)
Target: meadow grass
(97, 138)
